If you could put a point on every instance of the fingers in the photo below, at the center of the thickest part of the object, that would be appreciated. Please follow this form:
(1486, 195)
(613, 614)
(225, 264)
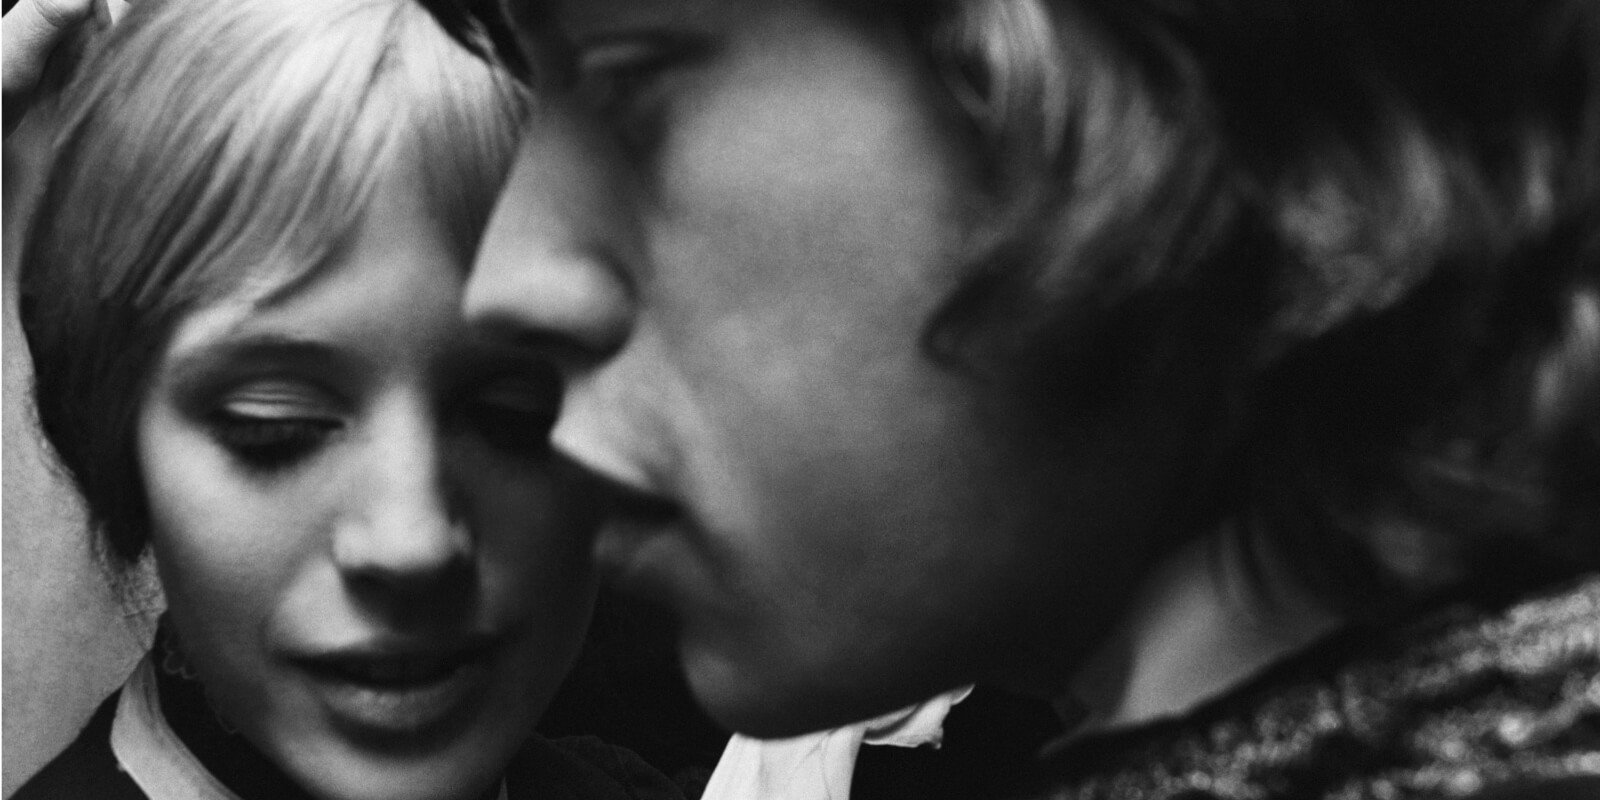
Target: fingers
(109, 12)
(31, 31)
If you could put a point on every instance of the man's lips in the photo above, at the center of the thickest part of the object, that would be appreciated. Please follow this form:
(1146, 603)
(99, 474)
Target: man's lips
(635, 506)
(651, 556)
(633, 514)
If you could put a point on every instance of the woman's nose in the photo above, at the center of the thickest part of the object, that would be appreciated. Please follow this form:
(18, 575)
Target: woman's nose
(404, 528)
(550, 269)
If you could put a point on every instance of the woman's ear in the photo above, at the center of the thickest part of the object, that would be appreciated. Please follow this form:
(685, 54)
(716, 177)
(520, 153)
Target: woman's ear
(140, 594)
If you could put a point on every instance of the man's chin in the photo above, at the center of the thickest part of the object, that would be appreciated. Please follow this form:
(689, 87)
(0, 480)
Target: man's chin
(760, 701)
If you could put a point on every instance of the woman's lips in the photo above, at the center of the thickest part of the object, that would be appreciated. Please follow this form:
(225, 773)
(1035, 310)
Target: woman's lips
(385, 693)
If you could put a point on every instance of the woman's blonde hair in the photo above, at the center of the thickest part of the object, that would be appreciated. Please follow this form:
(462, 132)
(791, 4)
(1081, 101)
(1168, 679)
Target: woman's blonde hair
(208, 148)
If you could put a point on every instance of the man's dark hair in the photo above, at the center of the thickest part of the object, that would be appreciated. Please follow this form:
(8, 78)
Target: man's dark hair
(1376, 225)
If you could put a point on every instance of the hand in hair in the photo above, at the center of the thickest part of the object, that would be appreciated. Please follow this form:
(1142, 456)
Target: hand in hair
(32, 30)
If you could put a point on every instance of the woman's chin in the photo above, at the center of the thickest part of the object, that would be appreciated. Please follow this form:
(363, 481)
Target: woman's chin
(333, 769)
(437, 782)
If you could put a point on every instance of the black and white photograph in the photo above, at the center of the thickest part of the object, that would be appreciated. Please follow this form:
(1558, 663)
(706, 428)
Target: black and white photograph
(801, 400)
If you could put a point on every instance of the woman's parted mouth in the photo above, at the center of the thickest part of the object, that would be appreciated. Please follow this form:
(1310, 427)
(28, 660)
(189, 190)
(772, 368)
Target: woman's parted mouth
(394, 693)
(396, 666)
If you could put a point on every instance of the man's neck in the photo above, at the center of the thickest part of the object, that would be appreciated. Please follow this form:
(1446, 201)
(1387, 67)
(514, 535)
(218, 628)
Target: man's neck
(1211, 615)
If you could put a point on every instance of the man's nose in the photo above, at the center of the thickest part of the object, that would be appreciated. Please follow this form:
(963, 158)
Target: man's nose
(404, 529)
(552, 265)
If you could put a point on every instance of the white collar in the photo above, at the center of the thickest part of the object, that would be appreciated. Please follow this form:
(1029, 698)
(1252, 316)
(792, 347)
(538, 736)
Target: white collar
(1201, 623)
(151, 753)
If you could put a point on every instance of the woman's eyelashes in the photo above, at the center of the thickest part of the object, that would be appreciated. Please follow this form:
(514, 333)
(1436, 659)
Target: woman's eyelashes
(273, 425)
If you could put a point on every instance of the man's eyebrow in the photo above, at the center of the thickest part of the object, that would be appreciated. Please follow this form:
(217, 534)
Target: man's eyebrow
(658, 45)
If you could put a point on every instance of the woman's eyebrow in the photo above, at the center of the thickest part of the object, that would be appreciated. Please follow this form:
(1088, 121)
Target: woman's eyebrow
(204, 360)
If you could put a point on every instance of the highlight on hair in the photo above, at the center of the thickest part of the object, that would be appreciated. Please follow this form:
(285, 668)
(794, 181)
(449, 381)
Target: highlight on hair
(1373, 235)
(225, 149)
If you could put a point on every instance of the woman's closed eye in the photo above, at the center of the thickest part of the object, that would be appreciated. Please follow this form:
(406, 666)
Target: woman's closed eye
(273, 425)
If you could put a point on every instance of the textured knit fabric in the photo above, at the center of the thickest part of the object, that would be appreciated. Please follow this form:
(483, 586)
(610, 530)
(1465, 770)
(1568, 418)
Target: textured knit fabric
(1465, 703)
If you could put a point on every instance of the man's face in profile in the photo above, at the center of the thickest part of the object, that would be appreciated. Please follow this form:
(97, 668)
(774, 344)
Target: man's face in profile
(733, 236)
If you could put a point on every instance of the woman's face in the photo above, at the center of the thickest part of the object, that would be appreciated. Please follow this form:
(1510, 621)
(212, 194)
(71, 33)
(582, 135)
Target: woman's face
(367, 552)
(734, 237)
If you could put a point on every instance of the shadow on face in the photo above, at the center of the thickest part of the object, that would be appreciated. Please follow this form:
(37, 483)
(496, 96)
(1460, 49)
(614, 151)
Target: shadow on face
(733, 237)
